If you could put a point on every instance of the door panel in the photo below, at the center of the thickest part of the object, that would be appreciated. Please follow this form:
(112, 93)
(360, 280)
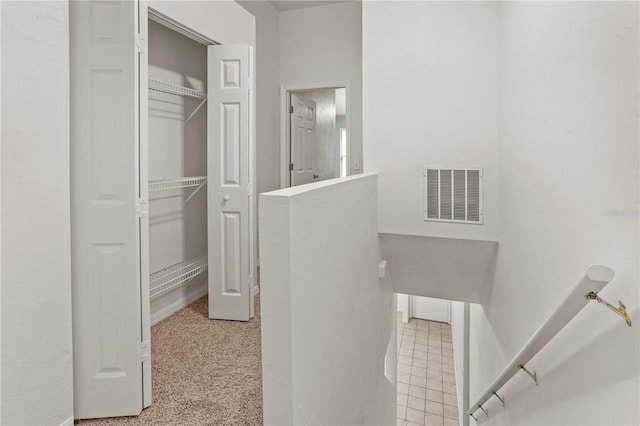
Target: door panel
(231, 253)
(430, 309)
(105, 229)
(229, 188)
(303, 136)
(231, 143)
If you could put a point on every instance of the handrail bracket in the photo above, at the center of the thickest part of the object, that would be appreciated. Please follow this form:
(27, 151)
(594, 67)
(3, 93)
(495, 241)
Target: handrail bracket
(534, 375)
(486, 413)
(621, 310)
(499, 397)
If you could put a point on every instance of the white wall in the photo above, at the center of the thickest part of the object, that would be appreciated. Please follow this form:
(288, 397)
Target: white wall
(327, 320)
(267, 86)
(562, 78)
(36, 270)
(569, 199)
(430, 97)
(267, 94)
(323, 45)
(443, 268)
(223, 20)
(0, 212)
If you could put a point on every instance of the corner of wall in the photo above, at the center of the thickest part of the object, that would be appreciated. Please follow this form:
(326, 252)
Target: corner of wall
(37, 371)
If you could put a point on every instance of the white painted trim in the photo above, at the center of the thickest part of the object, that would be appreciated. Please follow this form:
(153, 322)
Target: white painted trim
(178, 27)
(405, 309)
(68, 422)
(465, 368)
(284, 120)
(183, 302)
(142, 154)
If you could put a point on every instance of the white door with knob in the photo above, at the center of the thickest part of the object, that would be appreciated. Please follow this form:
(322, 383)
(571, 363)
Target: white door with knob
(230, 191)
(303, 139)
(110, 256)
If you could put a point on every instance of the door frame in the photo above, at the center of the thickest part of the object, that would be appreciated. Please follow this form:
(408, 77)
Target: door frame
(285, 120)
(144, 14)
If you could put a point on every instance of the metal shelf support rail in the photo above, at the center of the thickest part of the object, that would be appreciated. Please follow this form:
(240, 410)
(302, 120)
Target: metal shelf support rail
(596, 278)
(176, 275)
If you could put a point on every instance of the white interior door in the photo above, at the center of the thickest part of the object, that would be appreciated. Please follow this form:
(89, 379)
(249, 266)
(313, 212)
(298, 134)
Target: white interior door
(229, 194)
(107, 255)
(303, 137)
(430, 309)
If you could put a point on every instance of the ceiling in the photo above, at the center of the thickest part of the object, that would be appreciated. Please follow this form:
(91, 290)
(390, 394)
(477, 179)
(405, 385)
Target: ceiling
(284, 5)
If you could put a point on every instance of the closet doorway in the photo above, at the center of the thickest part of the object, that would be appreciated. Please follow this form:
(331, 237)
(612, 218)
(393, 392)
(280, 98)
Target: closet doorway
(162, 184)
(177, 158)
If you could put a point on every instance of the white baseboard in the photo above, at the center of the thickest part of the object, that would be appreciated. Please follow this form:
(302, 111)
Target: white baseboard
(68, 422)
(167, 311)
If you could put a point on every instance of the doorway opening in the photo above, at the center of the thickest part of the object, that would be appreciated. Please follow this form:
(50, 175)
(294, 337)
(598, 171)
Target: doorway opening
(162, 200)
(315, 133)
(433, 353)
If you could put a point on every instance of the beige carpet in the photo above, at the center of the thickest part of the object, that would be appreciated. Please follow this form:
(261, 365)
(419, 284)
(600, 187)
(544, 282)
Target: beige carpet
(205, 372)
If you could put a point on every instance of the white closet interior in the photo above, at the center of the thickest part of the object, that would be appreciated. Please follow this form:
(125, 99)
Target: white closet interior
(177, 129)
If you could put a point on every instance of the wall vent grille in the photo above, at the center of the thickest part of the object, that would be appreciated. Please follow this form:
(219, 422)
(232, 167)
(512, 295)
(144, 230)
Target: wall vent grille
(453, 194)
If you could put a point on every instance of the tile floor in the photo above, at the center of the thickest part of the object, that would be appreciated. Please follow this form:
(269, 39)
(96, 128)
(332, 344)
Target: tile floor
(426, 380)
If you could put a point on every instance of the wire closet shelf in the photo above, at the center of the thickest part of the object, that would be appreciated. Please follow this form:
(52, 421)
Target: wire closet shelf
(174, 89)
(176, 183)
(176, 275)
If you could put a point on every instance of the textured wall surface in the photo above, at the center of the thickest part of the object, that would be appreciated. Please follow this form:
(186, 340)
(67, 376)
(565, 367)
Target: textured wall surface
(267, 58)
(430, 97)
(324, 45)
(548, 105)
(569, 199)
(223, 20)
(37, 363)
(327, 319)
(267, 94)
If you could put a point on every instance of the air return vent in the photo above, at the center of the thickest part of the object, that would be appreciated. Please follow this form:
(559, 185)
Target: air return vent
(453, 194)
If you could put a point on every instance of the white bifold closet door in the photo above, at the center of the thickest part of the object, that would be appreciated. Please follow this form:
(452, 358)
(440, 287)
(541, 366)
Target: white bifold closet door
(108, 208)
(229, 192)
